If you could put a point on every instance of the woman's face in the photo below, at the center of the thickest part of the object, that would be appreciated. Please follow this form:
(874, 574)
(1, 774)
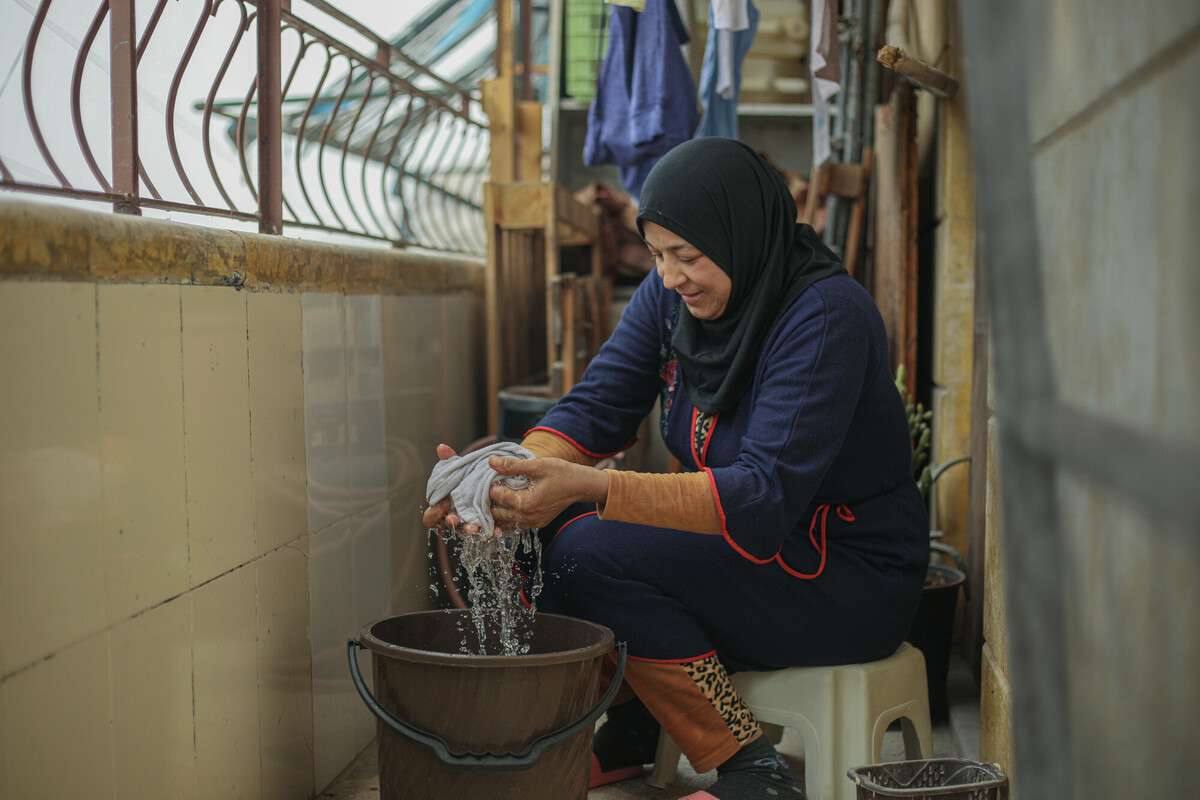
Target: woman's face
(703, 285)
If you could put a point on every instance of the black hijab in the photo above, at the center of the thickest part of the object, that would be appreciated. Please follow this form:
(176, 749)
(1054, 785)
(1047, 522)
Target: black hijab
(723, 199)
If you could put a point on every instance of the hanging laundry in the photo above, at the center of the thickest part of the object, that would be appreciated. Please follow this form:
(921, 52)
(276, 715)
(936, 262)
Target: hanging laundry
(826, 72)
(645, 101)
(721, 71)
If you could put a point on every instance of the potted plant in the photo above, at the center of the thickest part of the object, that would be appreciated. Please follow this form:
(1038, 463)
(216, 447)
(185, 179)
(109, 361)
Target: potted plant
(933, 627)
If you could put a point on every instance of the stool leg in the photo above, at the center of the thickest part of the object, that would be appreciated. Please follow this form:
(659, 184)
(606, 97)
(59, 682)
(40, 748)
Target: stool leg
(666, 762)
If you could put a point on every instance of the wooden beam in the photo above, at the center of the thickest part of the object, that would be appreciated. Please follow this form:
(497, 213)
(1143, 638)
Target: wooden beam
(917, 71)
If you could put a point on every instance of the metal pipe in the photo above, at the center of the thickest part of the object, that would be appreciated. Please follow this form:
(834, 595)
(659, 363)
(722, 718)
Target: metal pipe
(270, 119)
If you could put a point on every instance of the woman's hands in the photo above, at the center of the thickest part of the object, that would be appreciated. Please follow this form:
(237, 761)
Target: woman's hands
(438, 515)
(554, 485)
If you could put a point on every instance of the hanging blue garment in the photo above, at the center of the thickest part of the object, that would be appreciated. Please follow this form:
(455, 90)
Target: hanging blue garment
(645, 101)
(720, 112)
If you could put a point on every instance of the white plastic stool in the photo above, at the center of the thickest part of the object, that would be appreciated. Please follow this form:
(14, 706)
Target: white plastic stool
(841, 714)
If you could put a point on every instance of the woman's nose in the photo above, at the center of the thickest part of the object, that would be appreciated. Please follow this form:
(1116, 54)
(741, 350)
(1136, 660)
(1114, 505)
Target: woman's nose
(672, 275)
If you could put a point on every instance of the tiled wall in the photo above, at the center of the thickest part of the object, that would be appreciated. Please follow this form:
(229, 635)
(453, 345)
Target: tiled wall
(205, 492)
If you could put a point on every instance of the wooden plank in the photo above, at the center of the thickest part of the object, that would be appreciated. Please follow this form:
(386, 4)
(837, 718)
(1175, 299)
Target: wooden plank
(886, 280)
(553, 259)
(492, 319)
(570, 331)
(909, 177)
(581, 218)
(497, 99)
(521, 206)
(858, 210)
(529, 141)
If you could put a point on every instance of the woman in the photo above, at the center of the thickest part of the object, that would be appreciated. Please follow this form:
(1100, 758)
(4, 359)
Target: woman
(794, 535)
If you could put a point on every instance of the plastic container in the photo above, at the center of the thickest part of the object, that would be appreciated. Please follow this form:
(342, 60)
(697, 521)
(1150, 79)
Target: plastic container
(500, 727)
(521, 408)
(940, 778)
(932, 633)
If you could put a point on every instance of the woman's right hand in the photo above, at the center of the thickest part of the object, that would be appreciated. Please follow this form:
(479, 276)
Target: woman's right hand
(439, 515)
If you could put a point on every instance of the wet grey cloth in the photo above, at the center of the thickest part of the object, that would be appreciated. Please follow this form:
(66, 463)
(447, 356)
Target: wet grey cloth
(466, 480)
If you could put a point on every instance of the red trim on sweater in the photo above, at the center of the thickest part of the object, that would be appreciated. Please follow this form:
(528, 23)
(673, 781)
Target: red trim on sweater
(725, 530)
(674, 660)
(823, 511)
(563, 527)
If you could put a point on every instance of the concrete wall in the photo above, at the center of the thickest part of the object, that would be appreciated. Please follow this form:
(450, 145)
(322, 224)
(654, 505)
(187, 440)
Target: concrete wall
(1114, 132)
(205, 491)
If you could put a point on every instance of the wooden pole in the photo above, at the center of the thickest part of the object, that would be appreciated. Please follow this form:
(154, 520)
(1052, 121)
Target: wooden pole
(917, 71)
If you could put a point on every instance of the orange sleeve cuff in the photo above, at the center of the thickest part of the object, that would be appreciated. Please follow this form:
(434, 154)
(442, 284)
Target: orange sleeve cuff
(544, 444)
(683, 501)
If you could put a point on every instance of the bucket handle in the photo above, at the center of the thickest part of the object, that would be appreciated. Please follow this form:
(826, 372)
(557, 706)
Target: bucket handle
(489, 760)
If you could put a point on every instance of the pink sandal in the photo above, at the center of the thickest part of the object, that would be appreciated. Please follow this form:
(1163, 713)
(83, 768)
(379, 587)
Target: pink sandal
(600, 778)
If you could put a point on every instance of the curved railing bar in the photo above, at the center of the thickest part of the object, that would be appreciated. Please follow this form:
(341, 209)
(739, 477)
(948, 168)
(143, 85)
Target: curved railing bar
(421, 118)
(437, 192)
(445, 126)
(300, 136)
(386, 164)
(346, 147)
(355, 56)
(458, 219)
(287, 85)
(35, 30)
(481, 177)
(85, 47)
(241, 138)
(212, 95)
(173, 94)
(151, 26)
(367, 161)
(330, 120)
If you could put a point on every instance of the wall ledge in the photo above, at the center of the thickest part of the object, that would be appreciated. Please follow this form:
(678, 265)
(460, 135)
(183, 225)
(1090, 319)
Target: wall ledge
(39, 241)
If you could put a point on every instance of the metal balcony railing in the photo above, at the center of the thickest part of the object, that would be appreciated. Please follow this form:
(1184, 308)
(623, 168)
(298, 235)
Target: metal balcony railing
(244, 110)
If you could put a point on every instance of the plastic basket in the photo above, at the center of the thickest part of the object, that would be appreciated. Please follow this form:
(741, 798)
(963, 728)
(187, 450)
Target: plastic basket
(934, 778)
(584, 46)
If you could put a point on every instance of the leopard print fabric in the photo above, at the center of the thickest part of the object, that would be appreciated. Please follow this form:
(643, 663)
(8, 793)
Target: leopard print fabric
(713, 680)
(700, 433)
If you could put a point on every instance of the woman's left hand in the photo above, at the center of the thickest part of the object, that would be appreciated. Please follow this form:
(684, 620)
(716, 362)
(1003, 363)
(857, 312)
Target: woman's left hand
(554, 484)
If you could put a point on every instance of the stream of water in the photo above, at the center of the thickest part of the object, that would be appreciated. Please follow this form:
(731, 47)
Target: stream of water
(493, 588)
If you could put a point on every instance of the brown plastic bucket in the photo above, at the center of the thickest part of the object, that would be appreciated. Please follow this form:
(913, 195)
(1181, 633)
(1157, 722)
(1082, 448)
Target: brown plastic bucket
(492, 727)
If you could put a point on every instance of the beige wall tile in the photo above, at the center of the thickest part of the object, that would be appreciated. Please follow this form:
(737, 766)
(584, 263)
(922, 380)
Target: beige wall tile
(225, 683)
(277, 419)
(412, 378)
(56, 738)
(285, 673)
(331, 578)
(464, 384)
(152, 723)
(370, 564)
(51, 547)
(413, 570)
(364, 396)
(141, 417)
(326, 454)
(216, 400)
